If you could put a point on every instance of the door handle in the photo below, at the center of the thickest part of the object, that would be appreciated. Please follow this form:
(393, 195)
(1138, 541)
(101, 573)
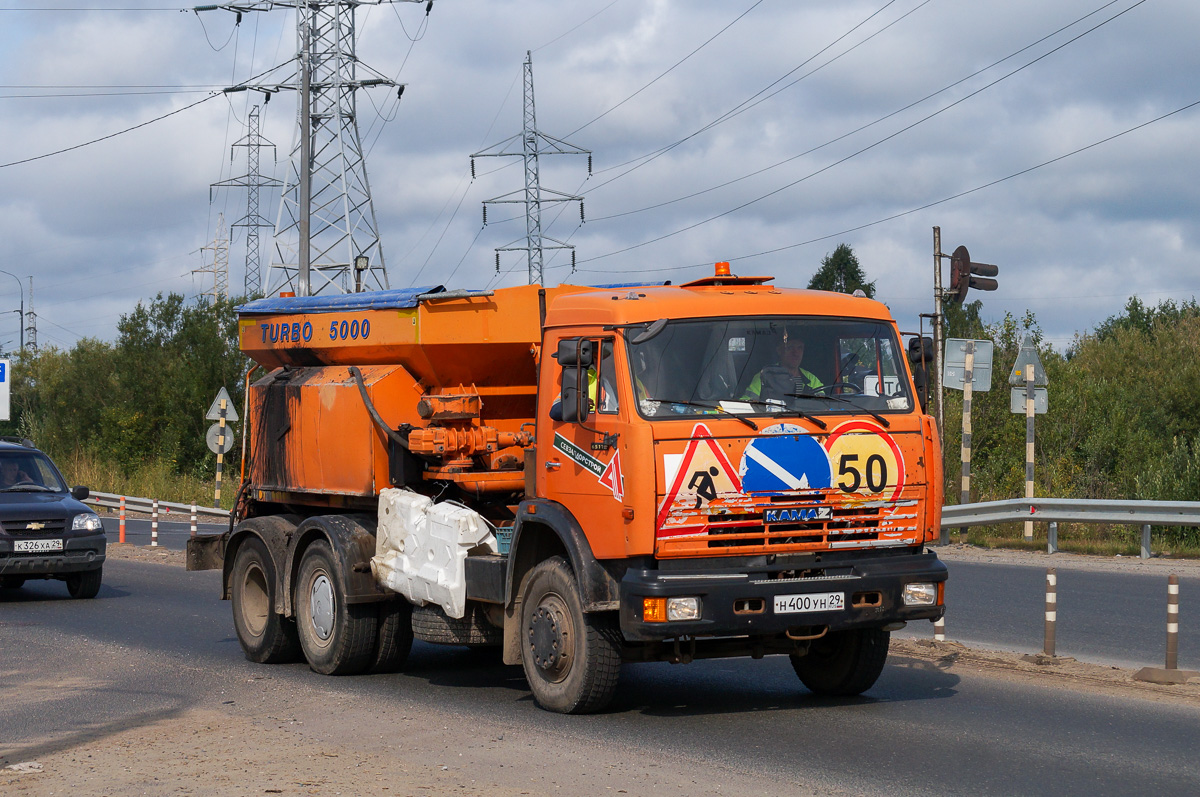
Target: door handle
(552, 465)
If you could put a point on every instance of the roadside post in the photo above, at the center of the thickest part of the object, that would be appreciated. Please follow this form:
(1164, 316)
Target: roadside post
(968, 366)
(219, 440)
(154, 524)
(194, 519)
(1171, 674)
(122, 524)
(1028, 373)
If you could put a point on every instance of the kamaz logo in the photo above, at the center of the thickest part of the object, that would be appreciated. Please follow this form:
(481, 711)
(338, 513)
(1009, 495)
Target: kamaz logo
(797, 514)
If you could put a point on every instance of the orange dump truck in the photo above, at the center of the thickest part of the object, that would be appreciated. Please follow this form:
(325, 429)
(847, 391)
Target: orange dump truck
(583, 476)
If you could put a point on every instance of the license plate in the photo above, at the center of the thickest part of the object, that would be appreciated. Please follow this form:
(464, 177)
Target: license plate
(811, 602)
(37, 546)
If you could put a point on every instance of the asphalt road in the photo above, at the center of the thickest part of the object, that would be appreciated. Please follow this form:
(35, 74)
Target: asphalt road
(173, 530)
(1103, 617)
(159, 640)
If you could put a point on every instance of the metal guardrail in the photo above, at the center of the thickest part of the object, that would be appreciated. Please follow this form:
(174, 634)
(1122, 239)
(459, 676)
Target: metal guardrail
(133, 504)
(1073, 510)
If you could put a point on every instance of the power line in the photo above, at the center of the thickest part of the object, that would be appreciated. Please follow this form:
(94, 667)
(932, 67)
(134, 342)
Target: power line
(869, 146)
(110, 135)
(672, 67)
(856, 130)
(926, 206)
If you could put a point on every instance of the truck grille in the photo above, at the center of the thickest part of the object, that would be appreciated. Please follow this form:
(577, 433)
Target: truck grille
(873, 525)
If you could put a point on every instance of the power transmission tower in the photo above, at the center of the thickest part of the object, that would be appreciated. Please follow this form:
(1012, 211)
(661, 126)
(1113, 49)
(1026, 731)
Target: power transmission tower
(219, 267)
(533, 144)
(252, 180)
(31, 325)
(326, 228)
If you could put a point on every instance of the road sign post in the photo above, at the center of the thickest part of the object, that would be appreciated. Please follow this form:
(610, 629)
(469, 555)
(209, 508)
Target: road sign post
(968, 368)
(222, 412)
(1028, 371)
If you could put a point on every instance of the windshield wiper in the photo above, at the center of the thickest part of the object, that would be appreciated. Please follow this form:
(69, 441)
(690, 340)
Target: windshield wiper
(819, 396)
(21, 488)
(783, 410)
(710, 406)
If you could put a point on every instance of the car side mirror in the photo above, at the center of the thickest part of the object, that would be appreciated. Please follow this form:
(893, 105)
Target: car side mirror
(80, 493)
(576, 356)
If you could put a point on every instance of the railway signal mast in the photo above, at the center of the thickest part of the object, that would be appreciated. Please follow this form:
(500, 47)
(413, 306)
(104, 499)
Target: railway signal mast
(326, 222)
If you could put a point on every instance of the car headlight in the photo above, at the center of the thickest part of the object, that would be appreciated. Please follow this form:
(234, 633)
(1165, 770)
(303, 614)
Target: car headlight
(920, 594)
(88, 521)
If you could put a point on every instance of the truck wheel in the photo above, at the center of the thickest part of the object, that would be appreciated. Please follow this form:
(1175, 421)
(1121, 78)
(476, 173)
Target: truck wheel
(265, 636)
(571, 659)
(432, 624)
(395, 635)
(338, 638)
(844, 663)
(84, 584)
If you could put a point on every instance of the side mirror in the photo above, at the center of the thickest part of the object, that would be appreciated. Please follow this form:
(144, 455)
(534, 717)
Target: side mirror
(80, 493)
(576, 356)
(920, 350)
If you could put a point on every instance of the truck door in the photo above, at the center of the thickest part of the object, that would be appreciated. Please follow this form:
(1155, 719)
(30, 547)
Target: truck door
(581, 464)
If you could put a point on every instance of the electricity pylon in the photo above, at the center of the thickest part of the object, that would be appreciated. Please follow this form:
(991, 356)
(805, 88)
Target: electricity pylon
(534, 144)
(252, 180)
(219, 267)
(326, 233)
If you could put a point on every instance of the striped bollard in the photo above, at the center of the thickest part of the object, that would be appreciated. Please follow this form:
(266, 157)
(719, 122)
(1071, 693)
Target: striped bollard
(1051, 610)
(193, 520)
(122, 526)
(1171, 674)
(939, 629)
(1172, 622)
(154, 524)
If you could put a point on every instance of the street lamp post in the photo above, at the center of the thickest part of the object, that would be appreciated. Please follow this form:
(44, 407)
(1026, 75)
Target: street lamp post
(22, 311)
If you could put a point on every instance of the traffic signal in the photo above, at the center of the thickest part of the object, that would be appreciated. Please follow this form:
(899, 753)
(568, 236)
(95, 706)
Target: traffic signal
(964, 274)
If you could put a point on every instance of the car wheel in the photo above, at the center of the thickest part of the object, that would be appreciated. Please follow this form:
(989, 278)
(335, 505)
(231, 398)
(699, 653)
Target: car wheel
(85, 584)
(338, 638)
(265, 636)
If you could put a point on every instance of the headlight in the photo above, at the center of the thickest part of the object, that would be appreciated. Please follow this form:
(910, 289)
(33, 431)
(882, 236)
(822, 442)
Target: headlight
(683, 608)
(662, 610)
(88, 521)
(920, 594)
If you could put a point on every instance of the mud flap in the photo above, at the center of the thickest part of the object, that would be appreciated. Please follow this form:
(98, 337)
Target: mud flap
(206, 552)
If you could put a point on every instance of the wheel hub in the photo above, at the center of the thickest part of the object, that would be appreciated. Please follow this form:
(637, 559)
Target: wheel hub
(550, 638)
(320, 602)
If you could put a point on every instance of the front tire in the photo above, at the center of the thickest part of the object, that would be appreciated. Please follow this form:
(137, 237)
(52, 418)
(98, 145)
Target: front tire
(85, 584)
(572, 660)
(265, 636)
(844, 663)
(337, 638)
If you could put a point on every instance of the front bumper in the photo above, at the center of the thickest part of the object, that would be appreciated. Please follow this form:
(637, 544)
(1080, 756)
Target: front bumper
(740, 602)
(80, 553)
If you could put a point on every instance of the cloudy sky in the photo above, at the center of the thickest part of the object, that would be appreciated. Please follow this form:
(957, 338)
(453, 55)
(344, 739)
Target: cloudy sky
(1057, 140)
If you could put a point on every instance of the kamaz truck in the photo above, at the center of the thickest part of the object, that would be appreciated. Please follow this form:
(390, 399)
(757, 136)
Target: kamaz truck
(582, 477)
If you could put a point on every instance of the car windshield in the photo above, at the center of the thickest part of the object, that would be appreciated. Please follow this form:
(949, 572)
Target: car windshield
(29, 471)
(769, 365)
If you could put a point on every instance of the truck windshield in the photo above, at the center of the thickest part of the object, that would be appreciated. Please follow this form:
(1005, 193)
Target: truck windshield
(769, 365)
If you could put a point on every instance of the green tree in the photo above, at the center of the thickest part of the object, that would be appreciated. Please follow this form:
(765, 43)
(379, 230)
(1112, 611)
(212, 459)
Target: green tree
(841, 272)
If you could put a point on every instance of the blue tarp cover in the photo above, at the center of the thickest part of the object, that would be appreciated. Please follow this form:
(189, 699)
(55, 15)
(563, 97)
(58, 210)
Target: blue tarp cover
(371, 300)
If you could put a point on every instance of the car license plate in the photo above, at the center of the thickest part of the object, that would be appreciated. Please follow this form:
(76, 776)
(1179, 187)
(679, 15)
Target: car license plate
(37, 546)
(812, 602)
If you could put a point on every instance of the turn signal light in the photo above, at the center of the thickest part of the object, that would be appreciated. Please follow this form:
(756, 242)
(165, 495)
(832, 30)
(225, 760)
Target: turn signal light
(654, 610)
